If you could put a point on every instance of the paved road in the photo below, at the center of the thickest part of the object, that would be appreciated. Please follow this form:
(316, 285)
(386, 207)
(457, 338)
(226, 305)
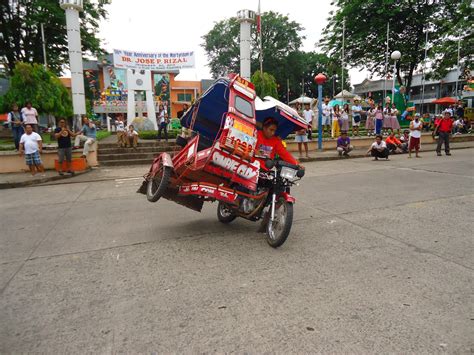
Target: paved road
(380, 259)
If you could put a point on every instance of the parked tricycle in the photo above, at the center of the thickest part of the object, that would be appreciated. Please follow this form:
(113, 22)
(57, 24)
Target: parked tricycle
(219, 162)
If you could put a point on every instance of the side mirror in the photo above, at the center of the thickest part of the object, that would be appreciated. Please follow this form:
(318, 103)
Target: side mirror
(269, 164)
(300, 173)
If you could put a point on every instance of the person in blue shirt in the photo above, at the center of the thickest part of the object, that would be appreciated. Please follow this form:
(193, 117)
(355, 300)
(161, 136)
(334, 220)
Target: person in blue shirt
(88, 135)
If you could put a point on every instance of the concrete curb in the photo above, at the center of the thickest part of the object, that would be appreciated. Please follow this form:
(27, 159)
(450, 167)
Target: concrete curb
(41, 180)
(362, 155)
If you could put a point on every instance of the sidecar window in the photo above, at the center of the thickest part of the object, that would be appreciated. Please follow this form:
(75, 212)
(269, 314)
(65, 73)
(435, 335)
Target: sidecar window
(243, 106)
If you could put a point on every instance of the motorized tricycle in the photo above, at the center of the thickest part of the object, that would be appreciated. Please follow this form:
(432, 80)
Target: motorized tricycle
(218, 162)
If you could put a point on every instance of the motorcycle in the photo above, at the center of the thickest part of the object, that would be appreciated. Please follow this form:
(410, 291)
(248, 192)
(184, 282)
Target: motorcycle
(217, 160)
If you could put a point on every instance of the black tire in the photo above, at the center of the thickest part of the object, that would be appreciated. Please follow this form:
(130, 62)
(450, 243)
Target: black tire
(277, 232)
(157, 186)
(224, 214)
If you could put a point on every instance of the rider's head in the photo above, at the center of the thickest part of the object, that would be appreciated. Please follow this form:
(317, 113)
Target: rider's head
(270, 126)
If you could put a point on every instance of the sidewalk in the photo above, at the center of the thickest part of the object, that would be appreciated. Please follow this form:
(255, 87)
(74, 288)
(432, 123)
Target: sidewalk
(11, 180)
(107, 173)
(361, 153)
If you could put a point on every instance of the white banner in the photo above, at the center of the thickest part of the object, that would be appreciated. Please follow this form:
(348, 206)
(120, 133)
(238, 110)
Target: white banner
(153, 61)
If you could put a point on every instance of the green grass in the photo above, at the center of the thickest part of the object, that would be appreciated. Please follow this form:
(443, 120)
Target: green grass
(154, 134)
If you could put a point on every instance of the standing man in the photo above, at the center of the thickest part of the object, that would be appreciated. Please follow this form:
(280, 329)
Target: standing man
(30, 116)
(444, 127)
(460, 110)
(88, 135)
(162, 122)
(356, 117)
(326, 116)
(15, 119)
(415, 136)
(121, 135)
(183, 111)
(31, 145)
(63, 135)
(308, 115)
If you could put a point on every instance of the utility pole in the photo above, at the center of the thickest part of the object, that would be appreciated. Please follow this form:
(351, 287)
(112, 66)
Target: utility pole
(44, 46)
(342, 59)
(423, 74)
(386, 65)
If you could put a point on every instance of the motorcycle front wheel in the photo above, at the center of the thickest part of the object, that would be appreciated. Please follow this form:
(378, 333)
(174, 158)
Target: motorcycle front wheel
(279, 229)
(224, 213)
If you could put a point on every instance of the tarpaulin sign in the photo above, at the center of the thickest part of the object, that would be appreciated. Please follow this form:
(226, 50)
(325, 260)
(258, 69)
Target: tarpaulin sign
(153, 61)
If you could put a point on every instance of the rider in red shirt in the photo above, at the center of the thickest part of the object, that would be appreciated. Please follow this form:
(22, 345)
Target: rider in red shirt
(269, 145)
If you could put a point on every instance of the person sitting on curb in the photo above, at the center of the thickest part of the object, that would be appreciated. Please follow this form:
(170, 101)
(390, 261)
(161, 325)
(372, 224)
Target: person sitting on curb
(393, 144)
(405, 139)
(344, 144)
(87, 134)
(132, 137)
(31, 144)
(378, 149)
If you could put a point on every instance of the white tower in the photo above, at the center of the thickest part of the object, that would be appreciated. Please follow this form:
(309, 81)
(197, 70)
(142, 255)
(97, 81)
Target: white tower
(245, 17)
(72, 8)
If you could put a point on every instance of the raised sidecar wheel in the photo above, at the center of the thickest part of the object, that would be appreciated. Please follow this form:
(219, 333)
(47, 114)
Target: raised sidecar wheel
(279, 229)
(157, 185)
(224, 213)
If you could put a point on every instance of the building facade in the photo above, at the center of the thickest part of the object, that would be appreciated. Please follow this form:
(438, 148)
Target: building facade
(434, 89)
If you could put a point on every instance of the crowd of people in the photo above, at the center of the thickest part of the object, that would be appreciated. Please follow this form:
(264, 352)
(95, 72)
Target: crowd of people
(376, 119)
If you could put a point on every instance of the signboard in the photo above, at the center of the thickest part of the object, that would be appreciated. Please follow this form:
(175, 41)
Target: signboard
(153, 61)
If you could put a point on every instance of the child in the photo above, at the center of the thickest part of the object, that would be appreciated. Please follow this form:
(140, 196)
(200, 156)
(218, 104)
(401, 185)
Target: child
(378, 119)
(132, 137)
(369, 123)
(335, 122)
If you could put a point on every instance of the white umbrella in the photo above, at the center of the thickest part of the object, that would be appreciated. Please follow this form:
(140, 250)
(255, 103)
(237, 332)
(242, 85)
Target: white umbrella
(345, 94)
(302, 100)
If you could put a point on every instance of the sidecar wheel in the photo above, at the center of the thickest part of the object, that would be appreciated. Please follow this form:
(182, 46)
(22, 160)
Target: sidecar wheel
(279, 229)
(224, 213)
(157, 185)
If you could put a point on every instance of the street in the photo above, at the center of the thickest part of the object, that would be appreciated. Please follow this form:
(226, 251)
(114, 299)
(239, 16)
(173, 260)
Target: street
(380, 259)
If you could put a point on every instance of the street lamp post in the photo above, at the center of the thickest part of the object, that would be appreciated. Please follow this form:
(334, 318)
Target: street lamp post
(395, 56)
(320, 79)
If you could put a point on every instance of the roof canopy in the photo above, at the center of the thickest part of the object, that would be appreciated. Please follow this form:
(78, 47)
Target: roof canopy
(302, 100)
(445, 101)
(345, 94)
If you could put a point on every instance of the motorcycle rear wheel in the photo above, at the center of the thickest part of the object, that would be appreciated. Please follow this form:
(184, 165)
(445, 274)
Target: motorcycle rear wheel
(224, 213)
(279, 229)
(158, 184)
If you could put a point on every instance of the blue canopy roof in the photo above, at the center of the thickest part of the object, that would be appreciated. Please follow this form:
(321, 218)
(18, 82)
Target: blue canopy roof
(211, 109)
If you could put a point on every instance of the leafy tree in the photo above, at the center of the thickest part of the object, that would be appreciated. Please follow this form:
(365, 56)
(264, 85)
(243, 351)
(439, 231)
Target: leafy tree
(32, 82)
(21, 34)
(280, 37)
(265, 84)
(306, 65)
(281, 40)
(365, 34)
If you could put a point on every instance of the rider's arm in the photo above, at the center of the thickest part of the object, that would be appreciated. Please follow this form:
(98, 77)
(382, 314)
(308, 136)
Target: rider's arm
(284, 154)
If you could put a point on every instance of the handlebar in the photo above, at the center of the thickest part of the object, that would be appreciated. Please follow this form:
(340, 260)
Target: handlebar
(270, 164)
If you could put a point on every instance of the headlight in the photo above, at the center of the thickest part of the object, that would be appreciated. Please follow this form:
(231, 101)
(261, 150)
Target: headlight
(288, 173)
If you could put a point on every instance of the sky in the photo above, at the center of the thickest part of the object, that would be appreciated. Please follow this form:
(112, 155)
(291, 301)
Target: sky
(161, 26)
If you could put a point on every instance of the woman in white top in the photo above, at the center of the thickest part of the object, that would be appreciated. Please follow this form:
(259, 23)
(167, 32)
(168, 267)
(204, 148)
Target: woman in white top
(394, 120)
(30, 116)
(370, 123)
(345, 118)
